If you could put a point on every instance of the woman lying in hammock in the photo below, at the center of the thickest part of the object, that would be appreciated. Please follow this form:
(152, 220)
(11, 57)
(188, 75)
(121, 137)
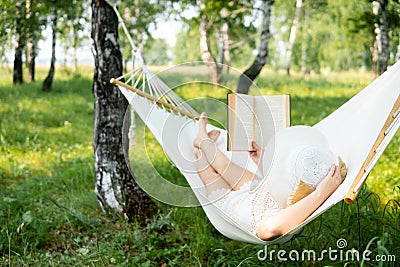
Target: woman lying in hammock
(228, 186)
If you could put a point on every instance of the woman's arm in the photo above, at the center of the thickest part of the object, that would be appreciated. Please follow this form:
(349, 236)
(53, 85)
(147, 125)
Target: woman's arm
(290, 217)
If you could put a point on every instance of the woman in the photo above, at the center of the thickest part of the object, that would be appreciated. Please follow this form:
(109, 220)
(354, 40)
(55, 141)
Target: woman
(229, 185)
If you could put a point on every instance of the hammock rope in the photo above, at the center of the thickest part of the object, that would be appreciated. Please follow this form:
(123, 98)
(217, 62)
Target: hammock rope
(153, 88)
(158, 100)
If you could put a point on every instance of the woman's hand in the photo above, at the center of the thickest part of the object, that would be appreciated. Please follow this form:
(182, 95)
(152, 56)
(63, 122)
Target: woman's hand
(286, 219)
(257, 152)
(330, 183)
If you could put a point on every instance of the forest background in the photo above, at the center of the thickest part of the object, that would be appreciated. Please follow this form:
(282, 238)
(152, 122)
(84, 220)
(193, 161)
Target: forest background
(319, 35)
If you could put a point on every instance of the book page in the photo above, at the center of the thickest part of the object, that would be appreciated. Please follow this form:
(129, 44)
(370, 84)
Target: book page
(241, 121)
(272, 114)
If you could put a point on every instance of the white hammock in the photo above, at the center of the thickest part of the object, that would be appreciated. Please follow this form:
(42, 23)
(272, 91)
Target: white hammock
(352, 132)
(358, 131)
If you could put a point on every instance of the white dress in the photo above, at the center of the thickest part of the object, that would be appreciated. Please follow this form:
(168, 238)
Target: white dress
(251, 204)
(245, 206)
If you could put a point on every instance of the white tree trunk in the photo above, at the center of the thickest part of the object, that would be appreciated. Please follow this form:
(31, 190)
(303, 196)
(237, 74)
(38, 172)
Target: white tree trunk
(19, 45)
(384, 35)
(225, 38)
(48, 82)
(398, 46)
(292, 36)
(74, 66)
(381, 48)
(206, 55)
(254, 70)
(30, 45)
(304, 43)
(220, 47)
(115, 187)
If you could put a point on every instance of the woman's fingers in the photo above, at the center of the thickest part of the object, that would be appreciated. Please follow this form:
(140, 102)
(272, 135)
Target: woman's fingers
(332, 170)
(336, 178)
(255, 146)
(337, 171)
(331, 182)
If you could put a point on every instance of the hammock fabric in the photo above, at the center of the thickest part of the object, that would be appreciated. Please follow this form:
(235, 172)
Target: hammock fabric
(358, 131)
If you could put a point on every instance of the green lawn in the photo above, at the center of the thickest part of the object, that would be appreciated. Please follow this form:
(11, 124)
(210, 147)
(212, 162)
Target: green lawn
(49, 214)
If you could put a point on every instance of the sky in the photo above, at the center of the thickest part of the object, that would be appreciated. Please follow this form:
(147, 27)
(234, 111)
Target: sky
(167, 30)
(164, 29)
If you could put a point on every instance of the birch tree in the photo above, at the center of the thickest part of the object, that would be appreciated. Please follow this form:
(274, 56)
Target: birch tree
(226, 43)
(254, 70)
(30, 42)
(19, 43)
(35, 20)
(115, 187)
(226, 20)
(72, 30)
(292, 36)
(206, 54)
(48, 82)
(398, 34)
(384, 35)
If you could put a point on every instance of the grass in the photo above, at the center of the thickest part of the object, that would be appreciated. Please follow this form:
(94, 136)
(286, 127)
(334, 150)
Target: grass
(49, 214)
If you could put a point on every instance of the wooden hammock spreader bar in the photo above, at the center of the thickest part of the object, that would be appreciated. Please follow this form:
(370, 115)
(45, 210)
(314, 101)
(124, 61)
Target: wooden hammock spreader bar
(155, 99)
(362, 174)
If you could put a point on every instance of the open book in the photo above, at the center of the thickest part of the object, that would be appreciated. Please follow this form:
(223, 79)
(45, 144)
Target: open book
(255, 118)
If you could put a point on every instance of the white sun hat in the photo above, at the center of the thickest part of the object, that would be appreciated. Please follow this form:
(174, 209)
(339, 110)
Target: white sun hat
(293, 154)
